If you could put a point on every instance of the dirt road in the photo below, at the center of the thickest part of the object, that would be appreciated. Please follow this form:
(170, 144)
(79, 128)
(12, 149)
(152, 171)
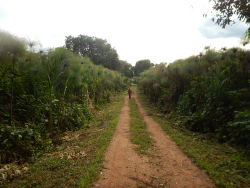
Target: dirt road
(166, 167)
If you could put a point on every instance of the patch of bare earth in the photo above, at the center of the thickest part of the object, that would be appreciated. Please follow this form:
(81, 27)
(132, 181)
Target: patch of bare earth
(166, 167)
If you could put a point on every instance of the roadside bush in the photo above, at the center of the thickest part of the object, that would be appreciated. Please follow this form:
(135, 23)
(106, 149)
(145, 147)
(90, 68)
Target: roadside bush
(20, 142)
(208, 92)
(238, 130)
(43, 94)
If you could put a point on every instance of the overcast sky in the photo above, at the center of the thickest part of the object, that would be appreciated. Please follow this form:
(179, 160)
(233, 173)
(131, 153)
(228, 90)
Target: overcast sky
(159, 30)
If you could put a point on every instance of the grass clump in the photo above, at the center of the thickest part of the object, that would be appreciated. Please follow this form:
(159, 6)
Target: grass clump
(139, 134)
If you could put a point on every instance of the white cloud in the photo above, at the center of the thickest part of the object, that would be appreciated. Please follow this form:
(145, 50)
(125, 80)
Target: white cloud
(159, 30)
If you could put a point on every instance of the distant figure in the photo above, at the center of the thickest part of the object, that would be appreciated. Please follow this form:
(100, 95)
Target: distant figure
(129, 93)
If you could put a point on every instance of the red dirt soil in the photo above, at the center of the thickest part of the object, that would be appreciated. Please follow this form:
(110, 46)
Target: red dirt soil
(166, 167)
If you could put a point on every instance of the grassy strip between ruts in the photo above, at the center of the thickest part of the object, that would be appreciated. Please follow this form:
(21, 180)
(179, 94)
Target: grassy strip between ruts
(77, 161)
(139, 134)
(226, 166)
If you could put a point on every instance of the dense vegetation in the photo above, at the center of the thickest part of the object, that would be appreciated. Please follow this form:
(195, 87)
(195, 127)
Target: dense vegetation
(227, 166)
(45, 93)
(209, 93)
(76, 161)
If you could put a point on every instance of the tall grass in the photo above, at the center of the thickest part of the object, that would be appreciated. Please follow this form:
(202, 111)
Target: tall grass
(45, 93)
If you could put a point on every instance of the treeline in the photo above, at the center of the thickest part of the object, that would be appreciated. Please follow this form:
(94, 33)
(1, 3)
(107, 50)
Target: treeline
(208, 93)
(101, 53)
(45, 93)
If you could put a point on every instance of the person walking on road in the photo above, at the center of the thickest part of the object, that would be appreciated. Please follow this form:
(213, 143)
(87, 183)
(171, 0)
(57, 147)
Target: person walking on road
(129, 93)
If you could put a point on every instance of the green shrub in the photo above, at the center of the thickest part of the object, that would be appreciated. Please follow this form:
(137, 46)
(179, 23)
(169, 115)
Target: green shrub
(204, 91)
(19, 142)
(51, 92)
(238, 130)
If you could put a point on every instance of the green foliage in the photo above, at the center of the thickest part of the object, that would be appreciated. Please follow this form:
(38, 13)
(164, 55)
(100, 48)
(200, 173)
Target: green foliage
(205, 91)
(141, 66)
(227, 11)
(53, 91)
(225, 165)
(20, 142)
(78, 160)
(237, 130)
(126, 69)
(98, 50)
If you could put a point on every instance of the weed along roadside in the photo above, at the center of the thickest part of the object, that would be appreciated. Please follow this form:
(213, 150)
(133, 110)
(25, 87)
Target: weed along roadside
(77, 160)
(225, 165)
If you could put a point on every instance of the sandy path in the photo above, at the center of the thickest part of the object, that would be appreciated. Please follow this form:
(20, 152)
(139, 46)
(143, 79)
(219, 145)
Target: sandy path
(176, 167)
(166, 167)
(123, 168)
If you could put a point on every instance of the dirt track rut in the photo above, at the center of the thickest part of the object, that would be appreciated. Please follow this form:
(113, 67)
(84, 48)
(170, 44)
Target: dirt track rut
(166, 167)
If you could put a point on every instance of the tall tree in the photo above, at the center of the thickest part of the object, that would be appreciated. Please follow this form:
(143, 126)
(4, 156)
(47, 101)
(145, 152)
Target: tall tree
(141, 66)
(98, 50)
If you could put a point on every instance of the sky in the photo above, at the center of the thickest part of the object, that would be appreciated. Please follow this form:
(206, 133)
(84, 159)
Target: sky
(159, 30)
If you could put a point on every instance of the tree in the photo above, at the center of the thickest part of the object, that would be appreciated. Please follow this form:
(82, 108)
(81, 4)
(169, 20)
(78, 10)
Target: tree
(98, 50)
(141, 66)
(126, 69)
(226, 10)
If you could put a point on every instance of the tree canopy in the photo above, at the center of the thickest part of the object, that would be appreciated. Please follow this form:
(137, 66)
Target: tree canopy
(141, 66)
(98, 50)
(226, 10)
